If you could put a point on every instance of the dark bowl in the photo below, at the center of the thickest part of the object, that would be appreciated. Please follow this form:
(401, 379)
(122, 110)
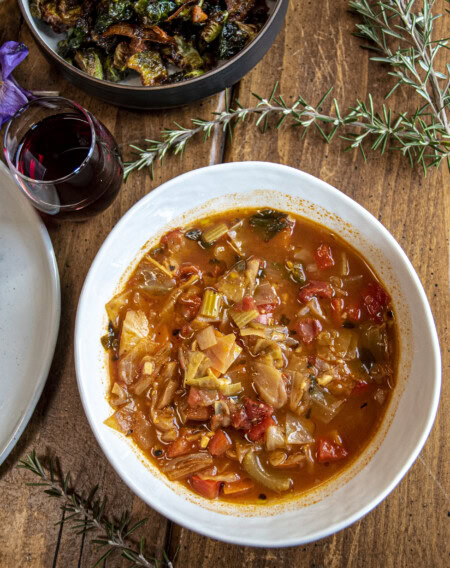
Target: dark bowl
(164, 96)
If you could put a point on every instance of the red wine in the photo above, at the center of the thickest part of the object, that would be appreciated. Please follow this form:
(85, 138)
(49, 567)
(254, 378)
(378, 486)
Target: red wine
(81, 178)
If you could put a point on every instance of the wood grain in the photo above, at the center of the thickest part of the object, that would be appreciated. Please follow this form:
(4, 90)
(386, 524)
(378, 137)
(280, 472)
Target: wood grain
(314, 50)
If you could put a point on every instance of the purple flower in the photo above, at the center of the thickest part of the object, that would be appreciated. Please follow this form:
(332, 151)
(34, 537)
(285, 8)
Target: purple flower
(12, 95)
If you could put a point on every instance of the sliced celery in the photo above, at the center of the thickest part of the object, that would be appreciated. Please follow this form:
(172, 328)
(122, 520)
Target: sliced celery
(211, 304)
(241, 319)
(213, 234)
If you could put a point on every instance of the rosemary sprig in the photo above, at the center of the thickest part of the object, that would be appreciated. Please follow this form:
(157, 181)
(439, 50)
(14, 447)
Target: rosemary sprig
(415, 48)
(87, 514)
(424, 136)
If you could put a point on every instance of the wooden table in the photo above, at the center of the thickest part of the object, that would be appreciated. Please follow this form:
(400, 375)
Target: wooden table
(314, 50)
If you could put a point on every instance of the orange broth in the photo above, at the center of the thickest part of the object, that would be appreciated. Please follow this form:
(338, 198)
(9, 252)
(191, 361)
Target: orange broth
(302, 386)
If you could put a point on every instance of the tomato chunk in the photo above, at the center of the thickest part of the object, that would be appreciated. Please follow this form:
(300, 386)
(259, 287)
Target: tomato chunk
(179, 448)
(199, 413)
(315, 288)
(328, 450)
(264, 318)
(308, 329)
(353, 310)
(195, 398)
(187, 270)
(206, 487)
(257, 411)
(174, 237)
(245, 305)
(186, 331)
(267, 308)
(324, 257)
(257, 432)
(239, 419)
(219, 443)
(375, 298)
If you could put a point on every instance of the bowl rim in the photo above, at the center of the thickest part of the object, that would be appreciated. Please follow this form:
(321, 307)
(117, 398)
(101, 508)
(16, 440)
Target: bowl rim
(142, 88)
(435, 357)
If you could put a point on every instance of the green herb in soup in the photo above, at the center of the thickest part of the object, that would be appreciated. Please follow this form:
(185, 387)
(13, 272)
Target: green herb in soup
(252, 355)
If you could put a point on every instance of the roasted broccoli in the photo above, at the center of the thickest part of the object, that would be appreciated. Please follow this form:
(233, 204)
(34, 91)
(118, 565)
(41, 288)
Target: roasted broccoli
(109, 39)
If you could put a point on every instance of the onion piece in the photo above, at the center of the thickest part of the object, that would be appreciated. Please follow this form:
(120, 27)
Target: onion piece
(223, 353)
(242, 449)
(265, 294)
(182, 466)
(232, 284)
(300, 383)
(325, 405)
(154, 279)
(114, 306)
(121, 396)
(277, 458)
(346, 343)
(269, 383)
(143, 384)
(292, 462)
(142, 431)
(296, 431)
(303, 254)
(129, 364)
(273, 332)
(194, 359)
(122, 420)
(134, 327)
(206, 338)
(274, 438)
(167, 394)
(344, 267)
(251, 273)
(374, 338)
(174, 295)
(316, 308)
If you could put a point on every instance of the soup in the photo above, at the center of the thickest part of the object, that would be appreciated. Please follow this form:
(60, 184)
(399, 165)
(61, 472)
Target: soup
(252, 355)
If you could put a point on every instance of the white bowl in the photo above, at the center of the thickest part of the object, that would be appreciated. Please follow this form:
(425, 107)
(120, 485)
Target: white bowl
(409, 416)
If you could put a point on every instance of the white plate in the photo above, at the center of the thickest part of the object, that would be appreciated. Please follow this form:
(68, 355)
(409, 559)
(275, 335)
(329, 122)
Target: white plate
(409, 416)
(29, 310)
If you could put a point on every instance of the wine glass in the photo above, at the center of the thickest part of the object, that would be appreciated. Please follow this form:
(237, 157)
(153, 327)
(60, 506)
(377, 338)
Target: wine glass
(63, 158)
